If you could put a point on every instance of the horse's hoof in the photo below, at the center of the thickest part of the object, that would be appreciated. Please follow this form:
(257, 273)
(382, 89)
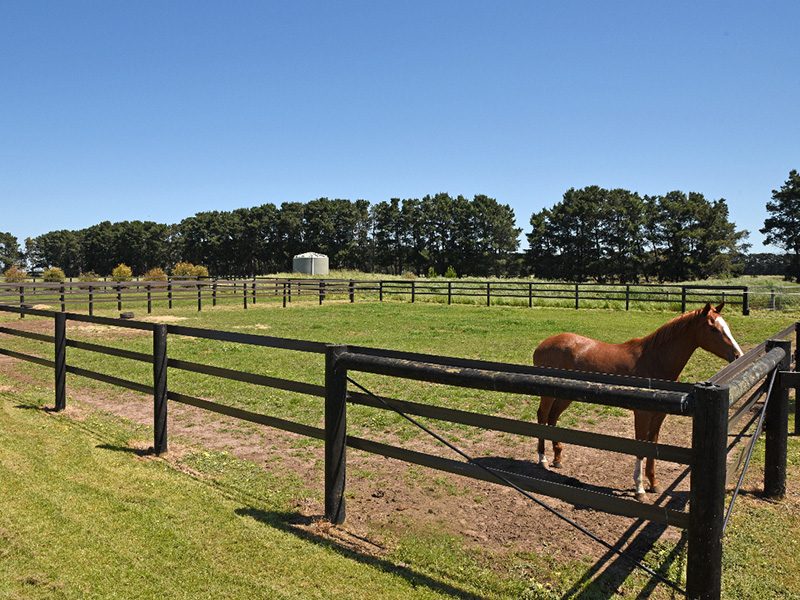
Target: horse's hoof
(640, 496)
(557, 464)
(656, 489)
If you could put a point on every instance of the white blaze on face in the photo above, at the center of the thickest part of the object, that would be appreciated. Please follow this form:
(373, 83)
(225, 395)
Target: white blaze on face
(727, 332)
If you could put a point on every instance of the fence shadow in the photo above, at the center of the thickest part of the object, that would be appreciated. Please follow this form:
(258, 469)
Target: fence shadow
(292, 522)
(534, 471)
(603, 579)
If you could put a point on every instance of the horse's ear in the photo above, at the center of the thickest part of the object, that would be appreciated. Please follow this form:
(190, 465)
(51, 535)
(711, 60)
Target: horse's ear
(706, 309)
(720, 307)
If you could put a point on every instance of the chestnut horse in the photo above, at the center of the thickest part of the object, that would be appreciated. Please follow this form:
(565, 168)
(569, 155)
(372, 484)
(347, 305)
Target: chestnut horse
(660, 355)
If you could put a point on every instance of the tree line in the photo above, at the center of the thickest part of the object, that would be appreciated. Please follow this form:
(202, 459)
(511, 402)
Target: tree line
(618, 236)
(476, 237)
(592, 234)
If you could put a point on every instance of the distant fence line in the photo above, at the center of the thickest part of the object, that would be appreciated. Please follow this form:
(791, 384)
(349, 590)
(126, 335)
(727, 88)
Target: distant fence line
(731, 406)
(249, 291)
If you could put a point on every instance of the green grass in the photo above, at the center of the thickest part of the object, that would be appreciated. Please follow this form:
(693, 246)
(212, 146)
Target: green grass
(132, 527)
(85, 516)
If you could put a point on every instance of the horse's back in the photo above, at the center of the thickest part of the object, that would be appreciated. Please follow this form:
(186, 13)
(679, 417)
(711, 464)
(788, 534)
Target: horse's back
(577, 352)
(562, 351)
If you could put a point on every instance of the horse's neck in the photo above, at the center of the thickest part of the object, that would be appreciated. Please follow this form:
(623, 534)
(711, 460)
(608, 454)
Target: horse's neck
(664, 353)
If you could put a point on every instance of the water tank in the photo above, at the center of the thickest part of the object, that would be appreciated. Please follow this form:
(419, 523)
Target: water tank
(310, 263)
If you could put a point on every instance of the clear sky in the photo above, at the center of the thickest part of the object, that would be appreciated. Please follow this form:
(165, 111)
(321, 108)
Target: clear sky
(156, 110)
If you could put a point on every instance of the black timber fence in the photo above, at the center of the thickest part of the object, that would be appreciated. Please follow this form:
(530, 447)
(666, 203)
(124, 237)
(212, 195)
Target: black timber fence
(727, 415)
(75, 294)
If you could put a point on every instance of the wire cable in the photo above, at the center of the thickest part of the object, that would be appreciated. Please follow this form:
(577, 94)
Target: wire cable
(756, 435)
(528, 495)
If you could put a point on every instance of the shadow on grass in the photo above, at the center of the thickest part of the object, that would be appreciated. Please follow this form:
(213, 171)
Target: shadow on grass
(289, 522)
(141, 452)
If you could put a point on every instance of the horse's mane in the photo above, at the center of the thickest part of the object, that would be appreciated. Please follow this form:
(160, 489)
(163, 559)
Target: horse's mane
(669, 331)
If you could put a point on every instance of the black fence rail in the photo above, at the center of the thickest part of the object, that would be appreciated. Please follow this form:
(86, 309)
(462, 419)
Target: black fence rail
(727, 415)
(75, 294)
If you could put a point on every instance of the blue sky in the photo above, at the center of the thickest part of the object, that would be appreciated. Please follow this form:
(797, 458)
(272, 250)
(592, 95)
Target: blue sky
(156, 110)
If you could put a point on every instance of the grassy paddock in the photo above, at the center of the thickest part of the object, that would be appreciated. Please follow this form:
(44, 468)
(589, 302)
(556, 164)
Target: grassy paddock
(62, 477)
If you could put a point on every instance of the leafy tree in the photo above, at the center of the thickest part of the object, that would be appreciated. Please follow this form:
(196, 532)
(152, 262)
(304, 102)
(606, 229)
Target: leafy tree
(694, 237)
(63, 249)
(289, 235)
(542, 256)
(495, 234)
(600, 234)
(782, 226)
(10, 254)
(622, 228)
(570, 234)
(388, 236)
(764, 263)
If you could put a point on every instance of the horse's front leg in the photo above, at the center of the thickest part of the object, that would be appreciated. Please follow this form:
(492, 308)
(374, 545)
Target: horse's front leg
(542, 416)
(647, 426)
(637, 479)
(641, 425)
(650, 469)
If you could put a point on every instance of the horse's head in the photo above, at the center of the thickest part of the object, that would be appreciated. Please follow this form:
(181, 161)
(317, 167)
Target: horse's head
(714, 335)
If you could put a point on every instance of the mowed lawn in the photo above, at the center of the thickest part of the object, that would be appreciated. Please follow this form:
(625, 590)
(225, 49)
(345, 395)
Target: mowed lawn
(83, 514)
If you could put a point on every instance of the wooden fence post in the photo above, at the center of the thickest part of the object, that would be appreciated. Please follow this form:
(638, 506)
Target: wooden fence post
(169, 293)
(159, 388)
(577, 289)
(149, 299)
(777, 429)
(61, 294)
(119, 297)
(746, 301)
(707, 492)
(21, 300)
(335, 435)
(91, 301)
(321, 292)
(796, 368)
(61, 360)
(352, 290)
(244, 293)
(488, 294)
(199, 298)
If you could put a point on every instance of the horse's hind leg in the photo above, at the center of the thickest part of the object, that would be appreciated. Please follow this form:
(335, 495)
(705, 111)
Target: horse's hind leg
(550, 410)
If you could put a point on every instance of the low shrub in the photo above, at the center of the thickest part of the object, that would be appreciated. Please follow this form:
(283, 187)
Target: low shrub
(187, 269)
(122, 272)
(90, 276)
(15, 275)
(155, 275)
(54, 275)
